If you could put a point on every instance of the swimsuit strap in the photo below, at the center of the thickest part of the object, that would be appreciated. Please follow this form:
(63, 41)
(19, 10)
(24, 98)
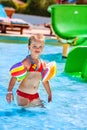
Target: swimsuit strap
(32, 62)
(34, 66)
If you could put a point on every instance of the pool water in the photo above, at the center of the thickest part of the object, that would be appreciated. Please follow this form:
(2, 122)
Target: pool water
(68, 108)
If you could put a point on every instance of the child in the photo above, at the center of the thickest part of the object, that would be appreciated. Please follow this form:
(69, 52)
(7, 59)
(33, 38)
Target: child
(27, 94)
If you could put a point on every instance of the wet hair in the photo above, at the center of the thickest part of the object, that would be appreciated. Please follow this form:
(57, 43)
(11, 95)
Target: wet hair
(36, 38)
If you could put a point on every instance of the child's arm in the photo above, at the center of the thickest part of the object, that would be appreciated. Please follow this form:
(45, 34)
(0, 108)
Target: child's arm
(48, 90)
(9, 96)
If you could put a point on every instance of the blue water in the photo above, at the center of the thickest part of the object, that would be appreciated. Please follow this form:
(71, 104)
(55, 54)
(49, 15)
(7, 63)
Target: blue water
(68, 109)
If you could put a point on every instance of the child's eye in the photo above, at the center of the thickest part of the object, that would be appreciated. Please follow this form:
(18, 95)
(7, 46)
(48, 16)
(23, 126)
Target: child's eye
(40, 47)
(34, 47)
(37, 47)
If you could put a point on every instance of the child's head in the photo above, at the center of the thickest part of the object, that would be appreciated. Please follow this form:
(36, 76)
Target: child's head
(36, 38)
(36, 44)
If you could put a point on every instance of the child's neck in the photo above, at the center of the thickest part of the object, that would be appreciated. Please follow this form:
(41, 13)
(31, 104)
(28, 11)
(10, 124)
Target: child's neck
(34, 58)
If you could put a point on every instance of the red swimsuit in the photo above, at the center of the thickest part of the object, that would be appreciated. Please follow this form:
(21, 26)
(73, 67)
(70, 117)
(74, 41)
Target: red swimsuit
(33, 67)
(31, 97)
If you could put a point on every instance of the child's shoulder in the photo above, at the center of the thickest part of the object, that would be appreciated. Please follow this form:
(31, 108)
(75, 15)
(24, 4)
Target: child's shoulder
(26, 62)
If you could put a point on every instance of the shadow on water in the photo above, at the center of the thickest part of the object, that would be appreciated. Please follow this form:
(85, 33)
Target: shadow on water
(22, 112)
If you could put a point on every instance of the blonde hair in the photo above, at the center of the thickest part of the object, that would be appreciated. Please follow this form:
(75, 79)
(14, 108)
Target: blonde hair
(36, 38)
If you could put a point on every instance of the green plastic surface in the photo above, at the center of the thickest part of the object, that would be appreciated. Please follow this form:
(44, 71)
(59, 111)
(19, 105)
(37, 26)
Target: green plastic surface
(69, 21)
(84, 70)
(76, 59)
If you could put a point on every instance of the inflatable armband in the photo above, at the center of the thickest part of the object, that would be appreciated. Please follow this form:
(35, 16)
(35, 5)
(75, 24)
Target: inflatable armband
(49, 72)
(19, 71)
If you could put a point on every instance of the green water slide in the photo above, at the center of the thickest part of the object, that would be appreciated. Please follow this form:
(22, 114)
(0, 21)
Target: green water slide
(76, 62)
(70, 22)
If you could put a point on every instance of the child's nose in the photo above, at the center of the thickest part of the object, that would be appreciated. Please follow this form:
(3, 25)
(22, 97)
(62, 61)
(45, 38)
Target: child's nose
(37, 47)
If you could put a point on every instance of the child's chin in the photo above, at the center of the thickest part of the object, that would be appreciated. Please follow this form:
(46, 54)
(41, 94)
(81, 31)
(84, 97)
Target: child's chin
(37, 55)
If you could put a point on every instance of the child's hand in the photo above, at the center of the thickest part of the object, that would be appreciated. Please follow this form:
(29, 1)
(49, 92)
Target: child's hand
(49, 98)
(9, 97)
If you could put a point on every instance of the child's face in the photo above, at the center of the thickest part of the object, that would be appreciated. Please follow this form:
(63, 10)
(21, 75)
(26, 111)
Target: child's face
(36, 48)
